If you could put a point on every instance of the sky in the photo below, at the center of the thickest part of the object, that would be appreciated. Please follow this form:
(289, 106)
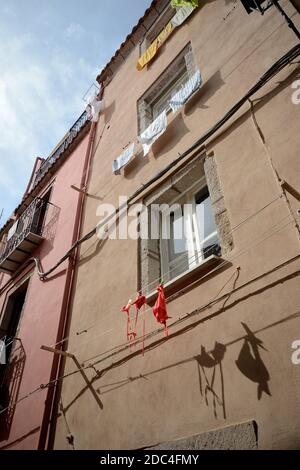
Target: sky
(50, 54)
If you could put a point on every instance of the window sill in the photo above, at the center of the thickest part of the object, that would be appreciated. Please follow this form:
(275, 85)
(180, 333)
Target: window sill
(183, 280)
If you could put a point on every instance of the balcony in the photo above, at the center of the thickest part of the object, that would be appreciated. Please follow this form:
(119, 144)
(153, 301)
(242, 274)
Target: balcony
(24, 236)
(63, 146)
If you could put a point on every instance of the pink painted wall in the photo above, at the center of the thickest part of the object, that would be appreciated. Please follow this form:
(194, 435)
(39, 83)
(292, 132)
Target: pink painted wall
(42, 309)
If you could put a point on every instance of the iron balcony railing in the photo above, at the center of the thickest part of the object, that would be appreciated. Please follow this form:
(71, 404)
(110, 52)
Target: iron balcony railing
(71, 135)
(31, 221)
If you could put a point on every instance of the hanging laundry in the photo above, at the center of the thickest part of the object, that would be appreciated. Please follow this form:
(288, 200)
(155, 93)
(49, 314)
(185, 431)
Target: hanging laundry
(139, 302)
(2, 352)
(185, 10)
(123, 159)
(147, 56)
(153, 132)
(181, 16)
(183, 3)
(193, 84)
(163, 36)
(93, 109)
(12, 230)
(156, 44)
(160, 308)
(129, 333)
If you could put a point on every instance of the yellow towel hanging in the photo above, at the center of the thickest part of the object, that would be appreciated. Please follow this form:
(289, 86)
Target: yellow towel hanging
(157, 43)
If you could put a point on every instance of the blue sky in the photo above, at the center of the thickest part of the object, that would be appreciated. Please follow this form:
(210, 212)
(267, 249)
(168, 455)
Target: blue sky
(51, 52)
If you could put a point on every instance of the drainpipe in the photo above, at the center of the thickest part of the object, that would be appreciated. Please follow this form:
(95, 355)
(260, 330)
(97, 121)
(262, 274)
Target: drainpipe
(52, 399)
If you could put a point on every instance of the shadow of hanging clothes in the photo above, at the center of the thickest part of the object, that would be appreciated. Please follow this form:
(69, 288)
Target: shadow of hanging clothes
(251, 365)
(212, 360)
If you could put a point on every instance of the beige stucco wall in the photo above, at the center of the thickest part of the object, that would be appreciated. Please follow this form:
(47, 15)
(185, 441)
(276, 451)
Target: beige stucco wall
(157, 398)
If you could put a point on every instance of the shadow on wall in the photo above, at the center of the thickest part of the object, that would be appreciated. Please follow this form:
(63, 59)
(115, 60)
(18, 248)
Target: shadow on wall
(175, 131)
(251, 365)
(108, 112)
(212, 361)
(9, 389)
(227, 2)
(258, 374)
(208, 89)
(177, 128)
(259, 102)
(50, 229)
(96, 246)
(135, 165)
(99, 243)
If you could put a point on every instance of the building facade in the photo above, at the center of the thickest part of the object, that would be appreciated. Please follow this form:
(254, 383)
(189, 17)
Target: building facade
(209, 173)
(33, 306)
(224, 377)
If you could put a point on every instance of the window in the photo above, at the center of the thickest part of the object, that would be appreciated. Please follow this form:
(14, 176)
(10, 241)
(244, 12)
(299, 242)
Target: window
(161, 102)
(157, 27)
(41, 212)
(254, 5)
(188, 234)
(188, 227)
(156, 99)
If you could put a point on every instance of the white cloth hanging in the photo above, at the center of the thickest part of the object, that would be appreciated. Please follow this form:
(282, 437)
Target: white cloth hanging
(12, 230)
(93, 109)
(182, 14)
(153, 132)
(2, 352)
(186, 91)
(123, 159)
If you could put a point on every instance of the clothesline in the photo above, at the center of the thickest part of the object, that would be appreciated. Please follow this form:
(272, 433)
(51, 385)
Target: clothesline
(159, 125)
(92, 366)
(139, 339)
(154, 282)
(180, 16)
(219, 267)
(145, 287)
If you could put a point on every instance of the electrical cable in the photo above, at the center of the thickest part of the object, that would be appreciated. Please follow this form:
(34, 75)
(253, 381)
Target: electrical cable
(188, 315)
(85, 329)
(291, 55)
(169, 299)
(285, 60)
(125, 346)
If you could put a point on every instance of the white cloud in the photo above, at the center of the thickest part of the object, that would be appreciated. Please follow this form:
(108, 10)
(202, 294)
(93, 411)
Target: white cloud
(74, 31)
(40, 98)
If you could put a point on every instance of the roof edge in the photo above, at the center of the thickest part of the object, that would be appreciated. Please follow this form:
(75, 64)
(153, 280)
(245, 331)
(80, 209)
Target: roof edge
(107, 73)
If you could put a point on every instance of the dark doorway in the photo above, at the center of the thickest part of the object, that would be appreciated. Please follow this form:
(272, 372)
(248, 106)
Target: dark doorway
(41, 212)
(11, 372)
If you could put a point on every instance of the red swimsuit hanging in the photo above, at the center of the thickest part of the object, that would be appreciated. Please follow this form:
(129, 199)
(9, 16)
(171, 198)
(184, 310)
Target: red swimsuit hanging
(130, 334)
(160, 308)
(139, 302)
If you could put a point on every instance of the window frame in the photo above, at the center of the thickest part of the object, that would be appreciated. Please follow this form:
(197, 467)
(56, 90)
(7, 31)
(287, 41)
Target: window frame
(157, 27)
(195, 251)
(171, 188)
(165, 85)
(156, 105)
